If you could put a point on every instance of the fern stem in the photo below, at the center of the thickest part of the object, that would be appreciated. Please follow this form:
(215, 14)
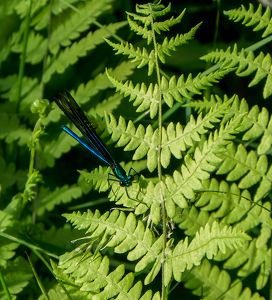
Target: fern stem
(163, 210)
(216, 23)
(5, 288)
(23, 54)
(31, 246)
(33, 149)
(46, 49)
(39, 281)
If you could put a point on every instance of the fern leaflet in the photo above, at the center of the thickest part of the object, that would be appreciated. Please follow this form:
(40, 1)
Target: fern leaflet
(250, 18)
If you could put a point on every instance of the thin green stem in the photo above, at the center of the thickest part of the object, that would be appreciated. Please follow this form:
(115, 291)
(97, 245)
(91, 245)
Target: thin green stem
(50, 269)
(5, 288)
(47, 47)
(162, 203)
(23, 54)
(31, 246)
(216, 24)
(33, 149)
(37, 278)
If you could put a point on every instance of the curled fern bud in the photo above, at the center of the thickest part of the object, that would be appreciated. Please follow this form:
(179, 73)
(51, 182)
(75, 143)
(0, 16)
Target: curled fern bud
(41, 107)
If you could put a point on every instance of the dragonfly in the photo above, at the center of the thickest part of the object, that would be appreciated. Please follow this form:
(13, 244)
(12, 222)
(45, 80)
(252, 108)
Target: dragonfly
(91, 141)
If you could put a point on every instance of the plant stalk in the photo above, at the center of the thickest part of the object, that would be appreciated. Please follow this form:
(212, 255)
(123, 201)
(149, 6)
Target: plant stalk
(162, 203)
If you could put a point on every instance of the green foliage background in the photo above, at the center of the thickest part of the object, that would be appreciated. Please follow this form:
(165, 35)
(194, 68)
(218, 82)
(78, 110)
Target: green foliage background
(212, 237)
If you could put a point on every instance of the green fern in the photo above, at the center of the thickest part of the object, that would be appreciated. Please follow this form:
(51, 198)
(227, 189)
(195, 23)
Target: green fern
(63, 195)
(217, 283)
(95, 275)
(250, 18)
(146, 97)
(17, 275)
(203, 218)
(209, 151)
(71, 55)
(247, 64)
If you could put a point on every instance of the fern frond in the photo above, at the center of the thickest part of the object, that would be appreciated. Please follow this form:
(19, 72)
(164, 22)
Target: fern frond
(17, 275)
(256, 124)
(251, 258)
(247, 64)
(7, 250)
(261, 126)
(50, 199)
(231, 204)
(149, 12)
(173, 88)
(144, 31)
(152, 9)
(9, 175)
(205, 104)
(93, 276)
(208, 241)
(97, 178)
(250, 18)
(69, 282)
(186, 182)
(125, 234)
(178, 40)
(7, 48)
(70, 55)
(56, 293)
(129, 235)
(144, 140)
(86, 91)
(70, 30)
(6, 9)
(247, 168)
(11, 130)
(227, 200)
(147, 98)
(265, 220)
(141, 95)
(36, 48)
(216, 284)
(107, 105)
(138, 55)
(29, 90)
(5, 220)
(157, 26)
(62, 145)
(165, 25)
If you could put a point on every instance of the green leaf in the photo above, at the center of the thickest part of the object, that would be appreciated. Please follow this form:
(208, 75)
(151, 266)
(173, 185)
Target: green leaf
(10, 176)
(185, 256)
(49, 200)
(251, 18)
(71, 55)
(17, 275)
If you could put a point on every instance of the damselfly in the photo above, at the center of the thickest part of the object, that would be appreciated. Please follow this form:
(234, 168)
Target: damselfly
(92, 141)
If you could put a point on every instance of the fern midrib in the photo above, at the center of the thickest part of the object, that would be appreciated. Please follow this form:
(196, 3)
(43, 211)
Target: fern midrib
(119, 230)
(159, 165)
